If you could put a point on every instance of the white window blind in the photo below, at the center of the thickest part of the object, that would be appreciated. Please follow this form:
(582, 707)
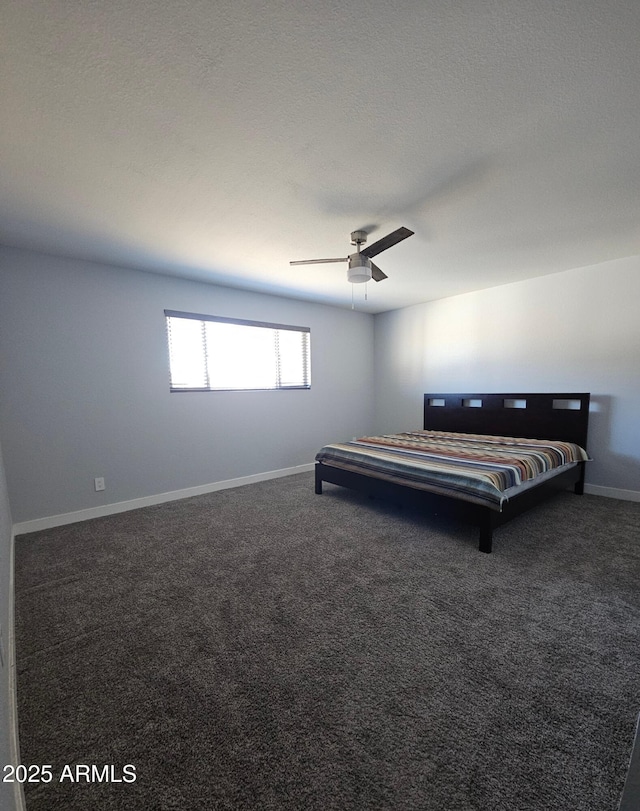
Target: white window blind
(210, 353)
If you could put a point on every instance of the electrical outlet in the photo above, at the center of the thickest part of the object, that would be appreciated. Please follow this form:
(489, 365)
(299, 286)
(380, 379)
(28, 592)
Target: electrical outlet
(99, 484)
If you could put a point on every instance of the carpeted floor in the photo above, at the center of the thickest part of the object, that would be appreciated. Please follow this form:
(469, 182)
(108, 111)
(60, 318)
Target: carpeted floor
(267, 648)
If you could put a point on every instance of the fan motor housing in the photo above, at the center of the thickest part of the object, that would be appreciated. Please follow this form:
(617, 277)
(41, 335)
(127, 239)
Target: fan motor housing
(358, 237)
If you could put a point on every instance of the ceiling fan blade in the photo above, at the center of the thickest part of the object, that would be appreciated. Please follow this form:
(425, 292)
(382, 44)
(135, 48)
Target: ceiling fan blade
(376, 274)
(386, 242)
(317, 261)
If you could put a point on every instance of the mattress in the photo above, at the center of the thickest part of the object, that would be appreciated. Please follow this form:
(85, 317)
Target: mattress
(483, 469)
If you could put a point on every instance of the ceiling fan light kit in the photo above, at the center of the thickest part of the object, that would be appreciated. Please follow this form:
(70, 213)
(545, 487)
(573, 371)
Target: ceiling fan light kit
(359, 270)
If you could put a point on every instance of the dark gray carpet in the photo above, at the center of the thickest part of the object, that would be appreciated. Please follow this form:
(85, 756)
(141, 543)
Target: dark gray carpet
(267, 648)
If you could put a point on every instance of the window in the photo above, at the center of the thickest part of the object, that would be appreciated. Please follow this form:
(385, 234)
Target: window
(208, 353)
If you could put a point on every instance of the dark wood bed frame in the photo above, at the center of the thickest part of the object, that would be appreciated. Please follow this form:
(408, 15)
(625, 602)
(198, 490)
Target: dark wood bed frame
(560, 416)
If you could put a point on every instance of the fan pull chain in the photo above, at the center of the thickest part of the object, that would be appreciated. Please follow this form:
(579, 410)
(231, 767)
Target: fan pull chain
(353, 306)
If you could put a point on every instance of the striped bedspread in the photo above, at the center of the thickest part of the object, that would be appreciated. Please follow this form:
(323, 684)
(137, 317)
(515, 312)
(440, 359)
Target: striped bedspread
(472, 467)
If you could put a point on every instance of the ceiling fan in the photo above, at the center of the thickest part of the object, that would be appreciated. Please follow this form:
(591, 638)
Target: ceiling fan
(361, 268)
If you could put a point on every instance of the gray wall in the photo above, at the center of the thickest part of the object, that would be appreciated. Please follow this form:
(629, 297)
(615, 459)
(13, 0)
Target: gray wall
(573, 331)
(84, 387)
(84, 381)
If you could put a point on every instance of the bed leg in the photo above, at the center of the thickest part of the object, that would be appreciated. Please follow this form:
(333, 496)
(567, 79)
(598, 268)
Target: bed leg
(486, 540)
(486, 534)
(578, 487)
(318, 482)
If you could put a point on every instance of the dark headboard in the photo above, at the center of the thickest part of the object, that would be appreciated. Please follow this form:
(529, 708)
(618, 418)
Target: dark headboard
(534, 416)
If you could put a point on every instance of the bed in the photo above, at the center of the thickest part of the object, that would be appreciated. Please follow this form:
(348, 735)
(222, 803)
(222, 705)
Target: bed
(514, 450)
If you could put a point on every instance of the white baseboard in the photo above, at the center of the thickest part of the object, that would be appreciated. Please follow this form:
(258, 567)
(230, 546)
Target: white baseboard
(149, 501)
(14, 739)
(200, 490)
(612, 492)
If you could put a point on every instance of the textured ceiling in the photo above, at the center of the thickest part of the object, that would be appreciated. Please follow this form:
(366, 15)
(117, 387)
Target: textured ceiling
(219, 140)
